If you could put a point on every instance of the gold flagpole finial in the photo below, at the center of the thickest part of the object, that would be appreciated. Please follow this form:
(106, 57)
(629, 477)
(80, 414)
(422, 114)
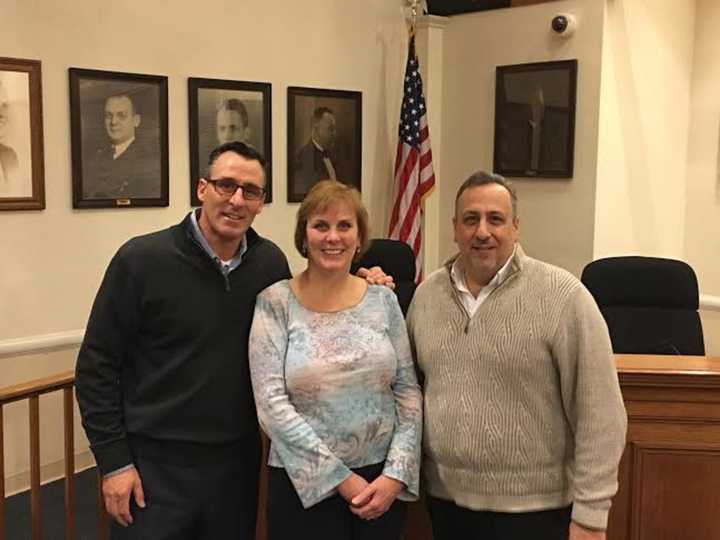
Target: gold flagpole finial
(413, 4)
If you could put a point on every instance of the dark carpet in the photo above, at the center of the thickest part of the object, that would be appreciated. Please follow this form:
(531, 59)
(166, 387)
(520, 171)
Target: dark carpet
(52, 500)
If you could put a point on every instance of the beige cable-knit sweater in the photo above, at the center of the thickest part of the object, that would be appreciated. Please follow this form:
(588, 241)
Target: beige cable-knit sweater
(523, 410)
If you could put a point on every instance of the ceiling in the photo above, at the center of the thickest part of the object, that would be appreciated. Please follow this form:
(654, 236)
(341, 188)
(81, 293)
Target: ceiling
(456, 7)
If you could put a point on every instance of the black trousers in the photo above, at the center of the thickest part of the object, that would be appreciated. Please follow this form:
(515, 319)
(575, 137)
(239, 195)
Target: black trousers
(209, 501)
(452, 522)
(331, 518)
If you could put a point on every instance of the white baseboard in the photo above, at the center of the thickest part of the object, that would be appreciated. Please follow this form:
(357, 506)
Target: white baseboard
(48, 473)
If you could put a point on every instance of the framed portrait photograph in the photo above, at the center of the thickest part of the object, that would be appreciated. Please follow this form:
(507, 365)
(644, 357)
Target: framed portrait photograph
(119, 134)
(535, 119)
(224, 111)
(22, 177)
(324, 138)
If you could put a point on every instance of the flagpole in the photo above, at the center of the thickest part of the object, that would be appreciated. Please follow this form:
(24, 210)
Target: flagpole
(413, 177)
(413, 16)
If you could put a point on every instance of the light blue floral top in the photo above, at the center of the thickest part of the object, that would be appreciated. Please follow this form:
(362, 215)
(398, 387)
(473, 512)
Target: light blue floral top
(336, 391)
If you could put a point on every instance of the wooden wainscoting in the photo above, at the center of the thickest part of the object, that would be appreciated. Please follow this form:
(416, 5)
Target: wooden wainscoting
(670, 471)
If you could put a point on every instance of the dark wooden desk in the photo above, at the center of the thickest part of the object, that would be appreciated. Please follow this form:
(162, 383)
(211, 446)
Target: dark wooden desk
(670, 471)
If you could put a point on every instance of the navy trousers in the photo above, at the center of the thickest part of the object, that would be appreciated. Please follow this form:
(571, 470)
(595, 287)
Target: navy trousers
(207, 501)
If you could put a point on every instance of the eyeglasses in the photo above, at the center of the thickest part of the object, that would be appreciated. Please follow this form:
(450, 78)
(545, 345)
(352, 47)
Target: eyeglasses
(227, 188)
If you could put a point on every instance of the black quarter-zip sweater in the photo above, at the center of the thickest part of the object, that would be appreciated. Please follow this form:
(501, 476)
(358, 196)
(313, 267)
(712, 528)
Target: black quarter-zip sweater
(164, 362)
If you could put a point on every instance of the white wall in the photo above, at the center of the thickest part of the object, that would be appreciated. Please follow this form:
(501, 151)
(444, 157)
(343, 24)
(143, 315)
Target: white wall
(658, 187)
(556, 216)
(322, 43)
(702, 210)
(53, 261)
(644, 116)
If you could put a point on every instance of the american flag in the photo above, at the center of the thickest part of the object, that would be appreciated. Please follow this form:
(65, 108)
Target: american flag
(414, 175)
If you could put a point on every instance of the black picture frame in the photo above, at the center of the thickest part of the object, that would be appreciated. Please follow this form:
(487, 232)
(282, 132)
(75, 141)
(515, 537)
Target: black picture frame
(22, 165)
(305, 163)
(535, 119)
(105, 108)
(215, 107)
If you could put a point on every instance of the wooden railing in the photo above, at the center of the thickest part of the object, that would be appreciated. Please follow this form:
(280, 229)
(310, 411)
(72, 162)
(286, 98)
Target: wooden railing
(32, 391)
(417, 526)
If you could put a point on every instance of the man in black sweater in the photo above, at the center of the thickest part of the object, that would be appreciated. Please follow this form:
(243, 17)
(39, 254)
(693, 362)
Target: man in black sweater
(162, 374)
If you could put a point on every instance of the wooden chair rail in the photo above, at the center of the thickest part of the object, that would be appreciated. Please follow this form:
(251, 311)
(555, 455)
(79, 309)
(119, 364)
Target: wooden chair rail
(36, 387)
(32, 391)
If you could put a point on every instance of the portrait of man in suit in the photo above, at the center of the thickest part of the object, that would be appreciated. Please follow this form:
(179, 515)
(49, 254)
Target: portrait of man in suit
(316, 160)
(535, 110)
(324, 129)
(21, 135)
(223, 111)
(9, 168)
(124, 165)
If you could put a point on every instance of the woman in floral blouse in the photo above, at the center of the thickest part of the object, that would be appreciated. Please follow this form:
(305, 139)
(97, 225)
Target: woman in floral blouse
(335, 386)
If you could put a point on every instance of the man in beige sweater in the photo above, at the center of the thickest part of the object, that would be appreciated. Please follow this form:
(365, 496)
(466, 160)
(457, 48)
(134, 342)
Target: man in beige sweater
(524, 421)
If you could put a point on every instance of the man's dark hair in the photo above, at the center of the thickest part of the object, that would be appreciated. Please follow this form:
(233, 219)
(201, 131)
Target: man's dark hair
(319, 112)
(241, 149)
(126, 96)
(238, 106)
(482, 178)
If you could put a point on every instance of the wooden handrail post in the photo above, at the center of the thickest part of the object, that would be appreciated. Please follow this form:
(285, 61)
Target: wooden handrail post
(36, 518)
(68, 413)
(32, 390)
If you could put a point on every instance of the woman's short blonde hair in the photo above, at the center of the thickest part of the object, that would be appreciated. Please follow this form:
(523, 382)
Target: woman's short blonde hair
(320, 198)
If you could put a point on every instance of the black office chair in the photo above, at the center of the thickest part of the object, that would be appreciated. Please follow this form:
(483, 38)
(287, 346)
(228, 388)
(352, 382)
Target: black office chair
(396, 259)
(650, 304)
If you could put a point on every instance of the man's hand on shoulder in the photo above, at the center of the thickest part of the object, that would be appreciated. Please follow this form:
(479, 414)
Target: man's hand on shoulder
(376, 276)
(578, 532)
(117, 489)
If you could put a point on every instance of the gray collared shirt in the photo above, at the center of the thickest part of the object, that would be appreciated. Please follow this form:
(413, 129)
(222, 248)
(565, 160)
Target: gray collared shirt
(226, 266)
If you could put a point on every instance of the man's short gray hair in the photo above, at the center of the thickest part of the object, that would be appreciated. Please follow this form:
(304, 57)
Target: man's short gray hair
(483, 178)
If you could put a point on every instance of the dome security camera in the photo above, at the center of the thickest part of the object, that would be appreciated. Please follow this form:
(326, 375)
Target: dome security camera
(563, 25)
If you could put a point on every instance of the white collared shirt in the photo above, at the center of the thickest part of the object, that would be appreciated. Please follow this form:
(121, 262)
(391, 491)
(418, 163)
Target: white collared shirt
(470, 302)
(118, 149)
(326, 160)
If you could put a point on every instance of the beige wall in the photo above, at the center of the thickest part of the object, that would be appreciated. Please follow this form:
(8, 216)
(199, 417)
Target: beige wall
(644, 107)
(702, 210)
(556, 216)
(710, 320)
(657, 182)
(52, 261)
(250, 40)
